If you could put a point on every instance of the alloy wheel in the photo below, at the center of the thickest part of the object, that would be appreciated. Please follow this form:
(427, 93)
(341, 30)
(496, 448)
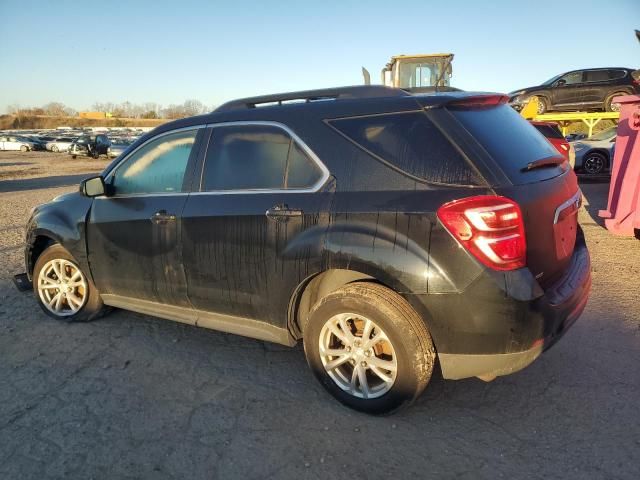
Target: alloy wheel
(358, 356)
(594, 164)
(62, 287)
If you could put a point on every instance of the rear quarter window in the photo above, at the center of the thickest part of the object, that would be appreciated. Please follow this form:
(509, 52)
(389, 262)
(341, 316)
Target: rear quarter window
(510, 140)
(410, 142)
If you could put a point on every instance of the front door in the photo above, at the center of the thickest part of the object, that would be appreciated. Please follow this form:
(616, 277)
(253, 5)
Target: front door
(244, 251)
(569, 90)
(133, 234)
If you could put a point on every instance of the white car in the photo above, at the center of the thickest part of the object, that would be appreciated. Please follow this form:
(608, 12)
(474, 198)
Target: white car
(60, 144)
(8, 142)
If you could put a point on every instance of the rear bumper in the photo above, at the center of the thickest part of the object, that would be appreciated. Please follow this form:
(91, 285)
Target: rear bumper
(499, 327)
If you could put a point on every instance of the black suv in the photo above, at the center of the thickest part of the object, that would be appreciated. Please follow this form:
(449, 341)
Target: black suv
(90, 145)
(590, 89)
(385, 230)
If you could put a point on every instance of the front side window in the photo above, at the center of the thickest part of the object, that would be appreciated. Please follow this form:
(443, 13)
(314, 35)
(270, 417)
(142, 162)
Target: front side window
(256, 157)
(572, 78)
(157, 167)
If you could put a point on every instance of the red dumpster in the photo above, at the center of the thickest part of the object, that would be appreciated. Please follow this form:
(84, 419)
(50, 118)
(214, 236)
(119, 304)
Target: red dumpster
(622, 215)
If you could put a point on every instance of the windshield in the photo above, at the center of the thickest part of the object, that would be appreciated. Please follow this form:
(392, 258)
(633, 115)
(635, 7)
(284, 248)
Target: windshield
(552, 79)
(605, 134)
(422, 73)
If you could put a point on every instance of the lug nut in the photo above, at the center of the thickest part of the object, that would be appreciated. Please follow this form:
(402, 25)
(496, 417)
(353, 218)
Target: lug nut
(367, 353)
(348, 349)
(363, 364)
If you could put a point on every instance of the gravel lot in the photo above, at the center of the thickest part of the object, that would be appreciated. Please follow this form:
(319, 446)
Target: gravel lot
(131, 396)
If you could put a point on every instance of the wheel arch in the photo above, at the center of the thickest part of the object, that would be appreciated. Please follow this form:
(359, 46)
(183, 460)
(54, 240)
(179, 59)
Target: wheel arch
(314, 288)
(41, 240)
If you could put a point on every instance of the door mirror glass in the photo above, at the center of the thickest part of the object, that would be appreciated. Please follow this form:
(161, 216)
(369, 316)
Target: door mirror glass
(93, 187)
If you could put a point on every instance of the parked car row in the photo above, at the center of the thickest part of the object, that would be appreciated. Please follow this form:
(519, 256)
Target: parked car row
(75, 143)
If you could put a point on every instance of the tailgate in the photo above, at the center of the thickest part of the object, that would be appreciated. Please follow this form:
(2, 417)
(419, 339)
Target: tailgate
(550, 211)
(548, 195)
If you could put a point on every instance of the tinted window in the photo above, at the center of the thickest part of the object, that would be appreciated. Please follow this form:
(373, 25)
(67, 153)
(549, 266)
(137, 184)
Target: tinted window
(251, 157)
(617, 74)
(302, 172)
(510, 140)
(157, 167)
(549, 131)
(572, 78)
(597, 75)
(411, 142)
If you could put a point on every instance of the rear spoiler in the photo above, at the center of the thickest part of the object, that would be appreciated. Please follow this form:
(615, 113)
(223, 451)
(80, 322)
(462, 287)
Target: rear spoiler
(478, 101)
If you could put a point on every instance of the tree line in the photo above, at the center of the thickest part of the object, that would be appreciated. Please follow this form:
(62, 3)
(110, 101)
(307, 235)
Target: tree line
(127, 109)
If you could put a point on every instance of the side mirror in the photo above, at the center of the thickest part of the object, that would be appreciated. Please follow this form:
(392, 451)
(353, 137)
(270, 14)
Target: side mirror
(93, 187)
(561, 83)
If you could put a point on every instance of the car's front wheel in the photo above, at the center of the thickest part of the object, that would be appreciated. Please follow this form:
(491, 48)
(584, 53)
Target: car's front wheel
(594, 163)
(63, 290)
(543, 106)
(369, 348)
(55, 149)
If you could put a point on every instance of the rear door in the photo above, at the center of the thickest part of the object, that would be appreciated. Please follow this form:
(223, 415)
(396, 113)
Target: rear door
(548, 196)
(133, 235)
(597, 85)
(260, 189)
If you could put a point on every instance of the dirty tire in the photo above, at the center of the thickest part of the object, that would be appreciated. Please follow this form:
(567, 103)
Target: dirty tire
(405, 330)
(543, 106)
(93, 307)
(609, 106)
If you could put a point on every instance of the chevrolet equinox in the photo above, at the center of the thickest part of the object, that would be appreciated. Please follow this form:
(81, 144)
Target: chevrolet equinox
(385, 230)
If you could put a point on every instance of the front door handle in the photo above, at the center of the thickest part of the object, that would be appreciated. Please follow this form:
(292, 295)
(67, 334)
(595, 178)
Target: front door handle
(162, 218)
(282, 212)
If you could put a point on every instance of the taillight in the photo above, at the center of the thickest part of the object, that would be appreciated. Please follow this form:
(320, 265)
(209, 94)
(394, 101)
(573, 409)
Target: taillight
(490, 228)
(564, 146)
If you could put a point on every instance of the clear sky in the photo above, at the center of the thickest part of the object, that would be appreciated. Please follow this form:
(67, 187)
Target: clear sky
(169, 51)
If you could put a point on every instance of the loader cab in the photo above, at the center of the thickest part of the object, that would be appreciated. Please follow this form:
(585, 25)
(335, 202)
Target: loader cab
(418, 71)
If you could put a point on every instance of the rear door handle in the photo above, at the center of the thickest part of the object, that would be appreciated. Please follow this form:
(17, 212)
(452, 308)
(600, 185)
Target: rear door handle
(162, 218)
(283, 212)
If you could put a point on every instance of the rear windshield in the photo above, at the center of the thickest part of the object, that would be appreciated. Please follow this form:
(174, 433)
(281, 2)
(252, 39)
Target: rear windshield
(549, 131)
(510, 140)
(412, 143)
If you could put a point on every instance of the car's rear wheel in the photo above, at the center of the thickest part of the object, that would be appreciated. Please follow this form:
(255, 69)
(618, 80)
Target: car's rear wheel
(610, 105)
(63, 290)
(369, 348)
(55, 149)
(594, 163)
(543, 106)
(24, 148)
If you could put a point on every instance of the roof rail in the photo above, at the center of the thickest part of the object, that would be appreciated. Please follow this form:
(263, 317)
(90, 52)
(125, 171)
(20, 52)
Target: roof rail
(307, 96)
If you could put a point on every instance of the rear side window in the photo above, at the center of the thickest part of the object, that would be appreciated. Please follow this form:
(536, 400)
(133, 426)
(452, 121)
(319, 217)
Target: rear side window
(510, 140)
(617, 74)
(597, 75)
(412, 143)
(257, 157)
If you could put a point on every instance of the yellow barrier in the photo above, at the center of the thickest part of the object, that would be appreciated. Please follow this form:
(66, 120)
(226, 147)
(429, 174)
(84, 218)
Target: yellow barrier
(590, 119)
